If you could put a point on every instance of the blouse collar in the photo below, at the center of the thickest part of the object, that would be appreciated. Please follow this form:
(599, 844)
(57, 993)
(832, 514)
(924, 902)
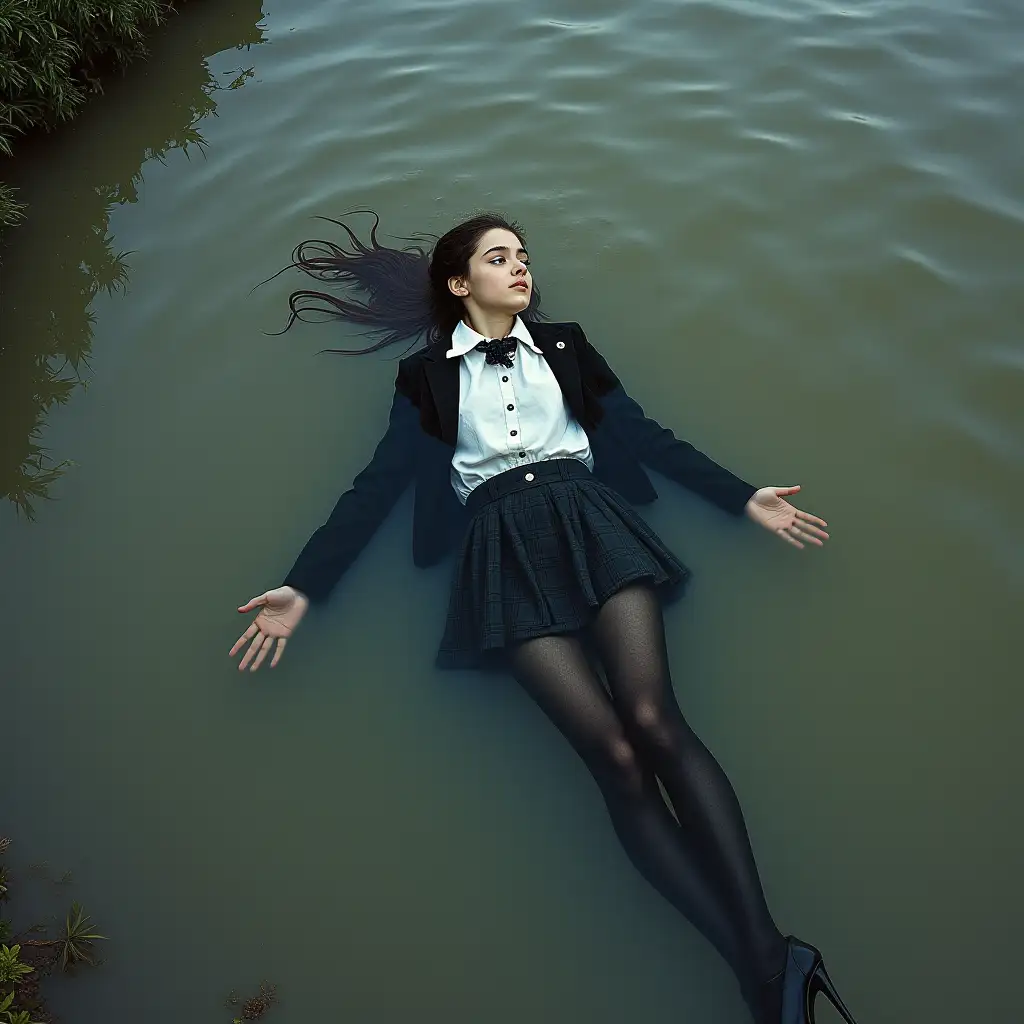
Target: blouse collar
(464, 338)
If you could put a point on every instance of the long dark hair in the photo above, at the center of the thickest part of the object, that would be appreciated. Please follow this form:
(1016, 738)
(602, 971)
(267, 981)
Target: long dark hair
(407, 295)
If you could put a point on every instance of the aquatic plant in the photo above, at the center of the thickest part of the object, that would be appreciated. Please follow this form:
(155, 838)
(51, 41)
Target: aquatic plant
(11, 211)
(77, 940)
(74, 944)
(12, 970)
(254, 1008)
(9, 1016)
(25, 964)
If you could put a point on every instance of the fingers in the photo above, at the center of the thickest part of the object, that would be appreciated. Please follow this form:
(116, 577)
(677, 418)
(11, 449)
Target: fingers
(807, 517)
(804, 535)
(787, 538)
(268, 643)
(261, 645)
(277, 653)
(812, 530)
(254, 602)
(247, 635)
(254, 648)
(786, 490)
(259, 648)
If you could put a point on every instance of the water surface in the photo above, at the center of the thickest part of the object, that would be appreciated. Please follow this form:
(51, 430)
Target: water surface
(796, 232)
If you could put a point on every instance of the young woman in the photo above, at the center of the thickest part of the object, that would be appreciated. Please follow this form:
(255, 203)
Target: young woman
(525, 447)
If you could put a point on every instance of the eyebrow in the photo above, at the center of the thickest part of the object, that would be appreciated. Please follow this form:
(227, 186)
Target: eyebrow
(502, 248)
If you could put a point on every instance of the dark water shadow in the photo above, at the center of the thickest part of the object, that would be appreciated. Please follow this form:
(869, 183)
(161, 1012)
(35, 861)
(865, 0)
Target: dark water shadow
(62, 255)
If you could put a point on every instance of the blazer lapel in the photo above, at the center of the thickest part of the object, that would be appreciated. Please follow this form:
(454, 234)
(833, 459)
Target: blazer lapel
(554, 341)
(443, 377)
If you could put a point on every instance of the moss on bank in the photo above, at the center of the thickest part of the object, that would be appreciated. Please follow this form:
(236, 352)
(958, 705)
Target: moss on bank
(52, 54)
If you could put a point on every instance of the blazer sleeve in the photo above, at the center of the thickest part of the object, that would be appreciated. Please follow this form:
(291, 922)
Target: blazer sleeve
(363, 507)
(657, 446)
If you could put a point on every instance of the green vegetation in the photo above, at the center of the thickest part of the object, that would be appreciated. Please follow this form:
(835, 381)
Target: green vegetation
(52, 53)
(11, 1016)
(12, 970)
(45, 347)
(25, 963)
(75, 942)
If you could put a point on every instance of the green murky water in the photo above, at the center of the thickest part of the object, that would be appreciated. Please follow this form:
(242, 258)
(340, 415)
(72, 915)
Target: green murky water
(797, 232)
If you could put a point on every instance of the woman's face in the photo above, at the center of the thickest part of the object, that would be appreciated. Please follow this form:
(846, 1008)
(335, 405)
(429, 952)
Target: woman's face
(499, 279)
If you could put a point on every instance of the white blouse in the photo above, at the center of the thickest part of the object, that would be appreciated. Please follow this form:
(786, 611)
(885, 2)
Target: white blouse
(509, 417)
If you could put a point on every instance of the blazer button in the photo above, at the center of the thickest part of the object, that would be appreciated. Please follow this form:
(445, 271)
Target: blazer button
(529, 476)
(560, 344)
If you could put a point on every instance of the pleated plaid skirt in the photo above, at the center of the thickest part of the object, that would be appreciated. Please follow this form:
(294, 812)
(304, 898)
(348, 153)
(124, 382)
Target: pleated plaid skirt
(546, 545)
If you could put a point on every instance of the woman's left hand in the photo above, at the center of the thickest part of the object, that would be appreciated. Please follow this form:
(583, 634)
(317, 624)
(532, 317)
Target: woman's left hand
(769, 507)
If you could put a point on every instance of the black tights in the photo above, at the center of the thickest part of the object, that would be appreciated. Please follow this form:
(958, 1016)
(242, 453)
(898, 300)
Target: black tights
(631, 738)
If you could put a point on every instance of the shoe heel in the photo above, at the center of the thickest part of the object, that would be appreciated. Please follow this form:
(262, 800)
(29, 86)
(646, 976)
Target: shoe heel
(821, 982)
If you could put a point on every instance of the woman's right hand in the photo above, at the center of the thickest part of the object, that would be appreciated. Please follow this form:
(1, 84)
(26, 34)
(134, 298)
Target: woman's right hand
(281, 610)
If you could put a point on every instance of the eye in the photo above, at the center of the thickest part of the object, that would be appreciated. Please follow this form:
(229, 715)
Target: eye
(525, 262)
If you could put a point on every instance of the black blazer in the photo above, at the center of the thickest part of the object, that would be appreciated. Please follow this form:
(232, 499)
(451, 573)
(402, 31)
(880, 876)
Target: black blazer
(420, 442)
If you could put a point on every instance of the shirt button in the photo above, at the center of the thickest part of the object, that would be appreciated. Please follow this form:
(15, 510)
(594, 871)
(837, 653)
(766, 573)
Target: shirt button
(504, 380)
(513, 432)
(529, 476)
(510, 407)
(522, 455)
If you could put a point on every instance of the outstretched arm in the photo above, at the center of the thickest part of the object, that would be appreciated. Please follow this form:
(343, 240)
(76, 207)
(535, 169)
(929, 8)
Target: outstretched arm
(362, 508)
(335, 545)
(659, 448)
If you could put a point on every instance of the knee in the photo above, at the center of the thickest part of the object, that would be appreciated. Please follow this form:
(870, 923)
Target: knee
(616, 764)
(656, 728)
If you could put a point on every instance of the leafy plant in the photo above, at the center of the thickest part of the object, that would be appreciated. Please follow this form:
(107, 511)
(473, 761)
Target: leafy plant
(76, 940)
(9, 1016)
(21, 1017)
(20, 998)
(12, 970)
(51, 53)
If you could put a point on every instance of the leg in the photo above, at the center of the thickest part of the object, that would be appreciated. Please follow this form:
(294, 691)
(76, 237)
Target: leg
(555, 672)
(629, 634)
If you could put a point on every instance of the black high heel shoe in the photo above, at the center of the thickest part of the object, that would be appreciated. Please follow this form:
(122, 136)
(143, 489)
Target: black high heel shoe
(803, 977)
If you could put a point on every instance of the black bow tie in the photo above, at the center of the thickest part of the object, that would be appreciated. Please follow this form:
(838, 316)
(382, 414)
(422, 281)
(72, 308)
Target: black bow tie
(499, 350)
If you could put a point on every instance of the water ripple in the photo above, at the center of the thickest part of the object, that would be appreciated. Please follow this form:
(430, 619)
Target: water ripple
(797, 231)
